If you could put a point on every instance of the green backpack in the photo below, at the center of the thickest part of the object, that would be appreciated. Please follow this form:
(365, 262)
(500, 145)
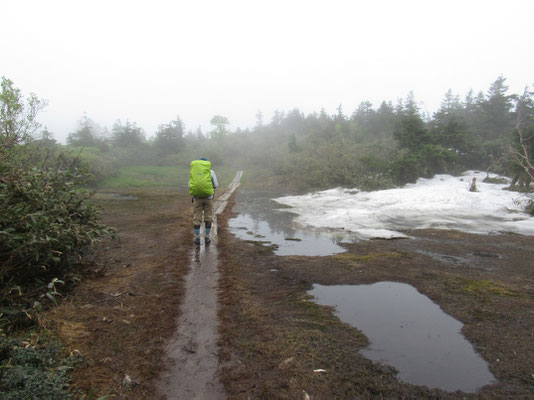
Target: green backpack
(200, 184)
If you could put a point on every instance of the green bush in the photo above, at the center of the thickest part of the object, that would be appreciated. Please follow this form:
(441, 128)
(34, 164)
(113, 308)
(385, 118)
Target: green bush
(31, 369)
(46, 224)
(495, 179)
(46, 220)
(406, 168)
(330, 165)
(100, 164)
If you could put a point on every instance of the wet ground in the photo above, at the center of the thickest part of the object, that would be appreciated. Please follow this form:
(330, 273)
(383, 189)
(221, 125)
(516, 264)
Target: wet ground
(123, 312)
(477, 292)
(192, 351)
(275, 341)
(260, 219)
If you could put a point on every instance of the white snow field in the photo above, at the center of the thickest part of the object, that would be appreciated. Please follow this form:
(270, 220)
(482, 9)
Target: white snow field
(443, 202)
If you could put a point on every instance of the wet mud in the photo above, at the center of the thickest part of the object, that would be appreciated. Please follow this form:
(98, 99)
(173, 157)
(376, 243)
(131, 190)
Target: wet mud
(192, 352)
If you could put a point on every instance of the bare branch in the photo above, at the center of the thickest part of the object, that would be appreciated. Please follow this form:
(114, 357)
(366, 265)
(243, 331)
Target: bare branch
(521, 155)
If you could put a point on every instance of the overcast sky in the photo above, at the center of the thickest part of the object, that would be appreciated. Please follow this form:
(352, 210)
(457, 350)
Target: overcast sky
(149, 61)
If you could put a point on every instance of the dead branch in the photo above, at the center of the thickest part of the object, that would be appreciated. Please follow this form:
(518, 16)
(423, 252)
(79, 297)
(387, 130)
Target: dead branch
(522, 155)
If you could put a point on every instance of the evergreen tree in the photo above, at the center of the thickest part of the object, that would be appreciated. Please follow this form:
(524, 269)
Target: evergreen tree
(220, 124)
(259, 119)
(127, 135)
(384, 121)
(86, 135)
(278, 116)
(450, 104)
(45, 139)
(294, 122)
(339, 117)
(450, 129)
(411, 132)
(170, 137)
(497, 107)
(361, 120)
(292, 143)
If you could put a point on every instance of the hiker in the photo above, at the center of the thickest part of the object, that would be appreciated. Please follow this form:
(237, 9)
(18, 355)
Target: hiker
(202, 185)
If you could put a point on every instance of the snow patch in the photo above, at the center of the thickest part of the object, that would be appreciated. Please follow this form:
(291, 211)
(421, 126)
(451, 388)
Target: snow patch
(443, 202)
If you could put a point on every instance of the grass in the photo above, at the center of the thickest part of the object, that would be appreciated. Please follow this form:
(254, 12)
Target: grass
(485, 287)
(151, 176)
(140, 176)
(352, 258)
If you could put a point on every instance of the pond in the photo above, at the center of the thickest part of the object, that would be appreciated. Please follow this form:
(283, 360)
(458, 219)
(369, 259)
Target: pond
(409, 332)
(263, 220)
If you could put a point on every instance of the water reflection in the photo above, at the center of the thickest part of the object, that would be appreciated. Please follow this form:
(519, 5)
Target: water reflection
(410, 332)
(260, 219)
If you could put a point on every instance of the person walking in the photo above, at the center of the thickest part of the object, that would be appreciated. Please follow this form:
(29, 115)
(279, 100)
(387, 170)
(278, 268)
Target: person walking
(202, 185)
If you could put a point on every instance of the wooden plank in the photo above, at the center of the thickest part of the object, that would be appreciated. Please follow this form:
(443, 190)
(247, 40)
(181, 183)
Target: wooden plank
(222, 201)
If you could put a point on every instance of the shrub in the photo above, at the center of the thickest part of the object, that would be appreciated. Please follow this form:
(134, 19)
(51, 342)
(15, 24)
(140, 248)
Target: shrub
(32, 369)
(46, 224)
(495, 179)
(46, 220)
(100, 164)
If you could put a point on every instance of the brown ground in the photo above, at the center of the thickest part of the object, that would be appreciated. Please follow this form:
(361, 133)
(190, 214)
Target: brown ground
(271, 336)
(120, 317)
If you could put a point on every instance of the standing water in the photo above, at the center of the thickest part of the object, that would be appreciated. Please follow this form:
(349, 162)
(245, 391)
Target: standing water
(260, 219)
(410, 332)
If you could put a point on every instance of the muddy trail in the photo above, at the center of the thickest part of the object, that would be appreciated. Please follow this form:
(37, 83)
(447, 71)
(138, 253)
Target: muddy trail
(193, 350)
(273, 339)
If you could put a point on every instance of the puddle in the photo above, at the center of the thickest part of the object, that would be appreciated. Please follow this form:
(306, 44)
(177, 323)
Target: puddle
(487, 255)
(260, 219)
(409, 332)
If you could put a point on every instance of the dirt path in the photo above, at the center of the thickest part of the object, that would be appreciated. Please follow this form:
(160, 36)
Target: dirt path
(193, 351)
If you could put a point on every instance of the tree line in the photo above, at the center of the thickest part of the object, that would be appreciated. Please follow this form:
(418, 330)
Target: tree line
(395, 144)
(371, 148)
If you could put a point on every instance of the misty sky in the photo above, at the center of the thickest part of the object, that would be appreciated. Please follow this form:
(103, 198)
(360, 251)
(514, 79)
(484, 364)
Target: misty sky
(148, 61)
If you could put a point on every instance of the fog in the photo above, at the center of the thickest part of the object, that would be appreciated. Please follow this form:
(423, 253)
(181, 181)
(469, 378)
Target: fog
(148, 62)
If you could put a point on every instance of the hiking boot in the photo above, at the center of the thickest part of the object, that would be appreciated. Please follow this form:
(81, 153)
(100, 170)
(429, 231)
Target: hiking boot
(207, 240)
(197, 240)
